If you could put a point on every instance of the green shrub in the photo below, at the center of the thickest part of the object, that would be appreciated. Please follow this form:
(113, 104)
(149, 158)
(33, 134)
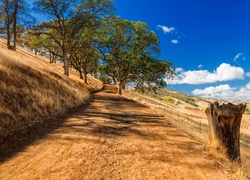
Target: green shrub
(247, 111)
(168, 100)
(106, 79)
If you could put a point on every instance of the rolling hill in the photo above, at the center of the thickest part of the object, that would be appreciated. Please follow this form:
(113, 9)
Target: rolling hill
(32, 89)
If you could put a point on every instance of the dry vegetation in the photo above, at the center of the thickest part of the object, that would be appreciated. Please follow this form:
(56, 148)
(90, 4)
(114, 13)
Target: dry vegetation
(192, 120)
(112, 138)
(32, 89)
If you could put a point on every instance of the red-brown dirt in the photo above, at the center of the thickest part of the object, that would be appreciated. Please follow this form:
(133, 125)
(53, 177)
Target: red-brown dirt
(111, 138)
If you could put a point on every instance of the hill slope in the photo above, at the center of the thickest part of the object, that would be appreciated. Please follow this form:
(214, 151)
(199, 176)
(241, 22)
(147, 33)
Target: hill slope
(186, 100)
(32, 89)
(112, 138)
(191, 117)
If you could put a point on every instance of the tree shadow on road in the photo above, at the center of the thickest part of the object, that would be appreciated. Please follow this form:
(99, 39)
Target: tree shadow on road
(91, 120)
(20, 139)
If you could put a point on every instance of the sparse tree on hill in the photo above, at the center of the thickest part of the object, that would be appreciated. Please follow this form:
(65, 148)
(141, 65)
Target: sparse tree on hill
(14, 13)
(68, 18)
(84, 58)
(131, 53)
(7, 8)
(40, 42)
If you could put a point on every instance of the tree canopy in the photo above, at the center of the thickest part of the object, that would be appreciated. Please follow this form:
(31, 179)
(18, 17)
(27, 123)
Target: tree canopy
(14, 16)
(131, 50)
(86, 35)
(68, 18)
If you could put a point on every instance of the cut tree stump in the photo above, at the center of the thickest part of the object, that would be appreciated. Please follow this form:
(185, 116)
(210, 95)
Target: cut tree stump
(224, 128)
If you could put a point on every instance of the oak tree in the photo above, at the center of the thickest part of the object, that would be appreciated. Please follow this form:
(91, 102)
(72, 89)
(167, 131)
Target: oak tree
(131, 51)
(67, 19)
(14, 17)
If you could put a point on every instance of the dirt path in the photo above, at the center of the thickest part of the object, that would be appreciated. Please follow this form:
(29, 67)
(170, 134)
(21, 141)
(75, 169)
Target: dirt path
(112, 138)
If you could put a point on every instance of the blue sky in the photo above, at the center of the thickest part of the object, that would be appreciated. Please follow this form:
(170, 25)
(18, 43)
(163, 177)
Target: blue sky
(208, 42)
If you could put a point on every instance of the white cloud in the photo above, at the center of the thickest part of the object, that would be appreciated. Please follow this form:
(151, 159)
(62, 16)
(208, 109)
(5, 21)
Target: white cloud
(212, 91)
(248, 74)
(166, 29)
(225, 72)
(238, 56)
(174, 41)
(225, 92)
(200, 66)
(179, 70)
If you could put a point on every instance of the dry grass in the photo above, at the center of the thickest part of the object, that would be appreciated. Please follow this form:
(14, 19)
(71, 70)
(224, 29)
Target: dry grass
(32, 89)
(113, 138)
(221, 161)
(193, 121)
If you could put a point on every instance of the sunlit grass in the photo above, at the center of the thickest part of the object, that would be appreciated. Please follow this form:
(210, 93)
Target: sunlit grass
(168, 100)
(247, 111)
(32, 89)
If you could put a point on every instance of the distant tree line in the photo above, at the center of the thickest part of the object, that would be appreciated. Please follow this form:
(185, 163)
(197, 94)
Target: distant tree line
(87, 36)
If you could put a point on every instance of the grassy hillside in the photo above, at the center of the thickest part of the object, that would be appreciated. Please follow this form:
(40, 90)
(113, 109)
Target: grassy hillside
(189, 101)
(178, 98)
(32, 89)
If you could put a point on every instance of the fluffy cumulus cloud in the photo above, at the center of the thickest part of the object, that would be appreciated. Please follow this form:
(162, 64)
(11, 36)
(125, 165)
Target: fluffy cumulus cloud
(225, 92)
(177, 70)
(213, 91)
(248, 74)
(225, 72)
(174, 41)
(166, 29)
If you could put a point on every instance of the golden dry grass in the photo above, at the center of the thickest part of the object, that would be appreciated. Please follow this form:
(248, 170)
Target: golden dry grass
(32, 89)
(193, 121)
(112, 138)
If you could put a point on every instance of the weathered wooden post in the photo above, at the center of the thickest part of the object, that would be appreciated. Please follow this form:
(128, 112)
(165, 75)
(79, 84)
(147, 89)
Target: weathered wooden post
(224, 128)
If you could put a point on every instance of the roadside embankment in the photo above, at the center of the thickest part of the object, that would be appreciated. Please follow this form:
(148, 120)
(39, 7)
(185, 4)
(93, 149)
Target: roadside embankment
(32, 89)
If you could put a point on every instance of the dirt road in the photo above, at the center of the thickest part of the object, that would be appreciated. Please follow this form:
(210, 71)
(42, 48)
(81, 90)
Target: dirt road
(112, 138)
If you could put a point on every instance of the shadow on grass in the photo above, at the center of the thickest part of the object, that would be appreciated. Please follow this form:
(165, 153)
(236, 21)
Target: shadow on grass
(117, 123)
(20, 139)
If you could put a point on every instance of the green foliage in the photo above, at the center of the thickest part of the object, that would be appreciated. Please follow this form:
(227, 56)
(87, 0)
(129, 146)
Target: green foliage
(168, 99)
(14, 18)
(68, 20)
(247, 111)
(106, 79)
(131, 51)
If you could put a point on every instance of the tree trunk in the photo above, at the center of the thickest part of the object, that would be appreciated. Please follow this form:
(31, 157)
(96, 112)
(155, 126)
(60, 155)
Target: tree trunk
(85, 78)
(8, 37)
(80, 73)
(8, 25)
(85, 74)
(120, 85)
(50, 57)
(15, 31)
(224, 128)
(66, 64)
(16, 4)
